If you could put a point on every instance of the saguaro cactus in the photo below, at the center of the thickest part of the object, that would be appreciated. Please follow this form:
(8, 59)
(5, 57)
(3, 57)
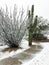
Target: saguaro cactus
(30, 16)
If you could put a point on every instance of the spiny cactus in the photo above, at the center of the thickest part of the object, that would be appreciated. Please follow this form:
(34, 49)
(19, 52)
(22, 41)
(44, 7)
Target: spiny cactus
(30, 16)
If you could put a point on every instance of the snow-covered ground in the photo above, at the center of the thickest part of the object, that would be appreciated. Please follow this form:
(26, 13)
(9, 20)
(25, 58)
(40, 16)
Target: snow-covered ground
(3, 47)
(7, 54)
(41, 58)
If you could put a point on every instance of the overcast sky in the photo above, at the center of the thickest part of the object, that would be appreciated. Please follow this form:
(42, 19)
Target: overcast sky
(41, 6)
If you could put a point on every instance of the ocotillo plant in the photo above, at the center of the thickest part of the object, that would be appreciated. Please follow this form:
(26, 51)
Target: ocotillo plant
(13, 27)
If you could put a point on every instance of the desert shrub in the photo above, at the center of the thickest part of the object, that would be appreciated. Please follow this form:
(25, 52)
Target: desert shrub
(13, 26)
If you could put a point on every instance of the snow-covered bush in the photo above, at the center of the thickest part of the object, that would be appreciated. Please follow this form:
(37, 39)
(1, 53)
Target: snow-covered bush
(13, 26)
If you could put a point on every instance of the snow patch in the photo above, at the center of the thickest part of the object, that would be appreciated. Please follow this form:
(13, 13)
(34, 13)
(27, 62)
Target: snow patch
(24, 44)
(3, 47)
(4, 55)
(42, 58)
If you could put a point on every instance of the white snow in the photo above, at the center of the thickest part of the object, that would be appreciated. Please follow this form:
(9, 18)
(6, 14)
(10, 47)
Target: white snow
(7, 54)
(3, 47)
(3, 55)
(24, 44)
(42, 58)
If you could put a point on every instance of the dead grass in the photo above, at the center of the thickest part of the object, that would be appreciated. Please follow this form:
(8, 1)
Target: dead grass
(10, 61)
(10, 49)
